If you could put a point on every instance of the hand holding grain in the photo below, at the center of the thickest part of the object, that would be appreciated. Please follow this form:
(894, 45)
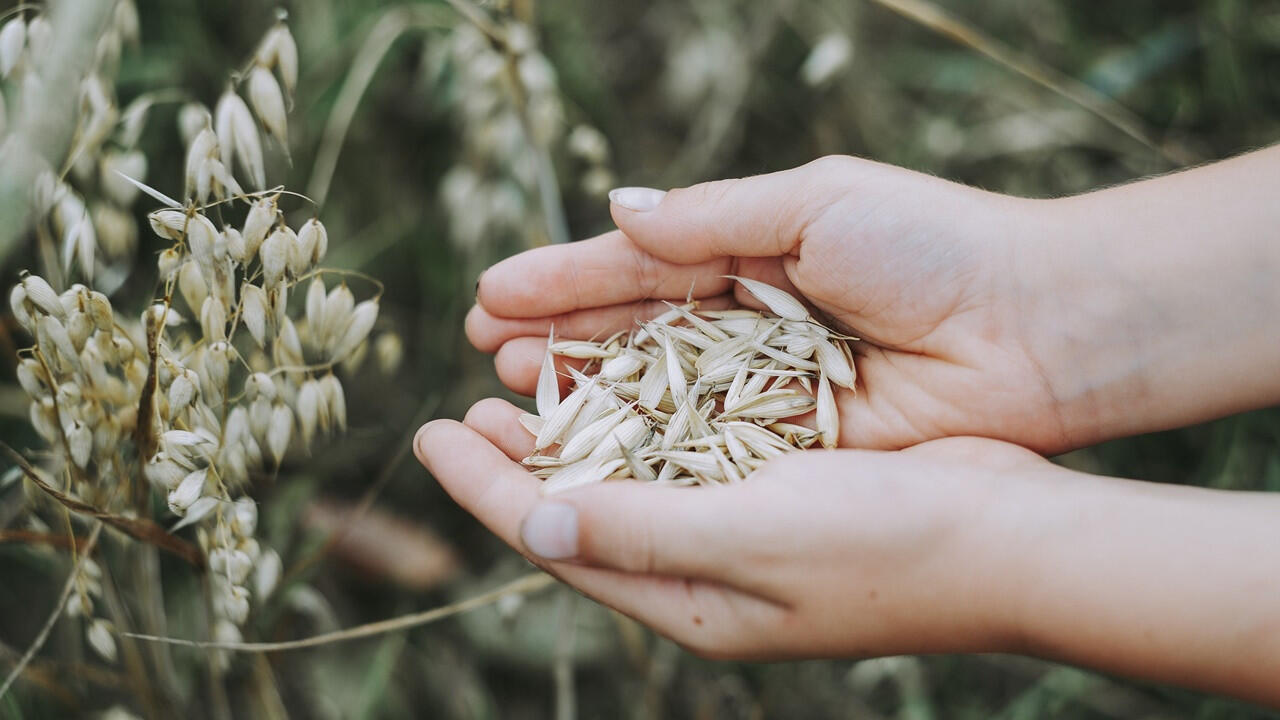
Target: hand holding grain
(917, 267)
(1052, 324)
(817, 554)
(954, 545)
(1048, 323)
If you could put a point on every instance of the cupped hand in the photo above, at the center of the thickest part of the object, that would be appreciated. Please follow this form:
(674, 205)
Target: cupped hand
(923, 270)
(833, 553)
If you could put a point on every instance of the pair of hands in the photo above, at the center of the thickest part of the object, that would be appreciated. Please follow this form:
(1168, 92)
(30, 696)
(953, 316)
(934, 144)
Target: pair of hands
(983, 334)
(802, 558)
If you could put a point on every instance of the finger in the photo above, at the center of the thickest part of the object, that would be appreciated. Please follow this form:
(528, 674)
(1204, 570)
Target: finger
(478, 476)
(601, 542)
(487, 332)
(518, 362)
(499, 422)
(605, 270)
(487, 484)
(625, 526)
(758, 216)
(638, 528)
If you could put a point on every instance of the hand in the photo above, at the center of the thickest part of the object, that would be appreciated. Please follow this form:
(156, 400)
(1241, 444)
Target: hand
(819, 554)
(1053, 324)
(957, 545)
(922, 269)
(1048, 323)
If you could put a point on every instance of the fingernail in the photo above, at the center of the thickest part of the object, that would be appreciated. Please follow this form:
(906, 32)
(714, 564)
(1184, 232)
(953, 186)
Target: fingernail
(550, 531)
(636, 199)
(418, 448)
(478, 279)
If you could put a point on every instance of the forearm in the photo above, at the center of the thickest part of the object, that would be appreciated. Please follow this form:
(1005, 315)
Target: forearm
(1174, 584)
(1157, 304)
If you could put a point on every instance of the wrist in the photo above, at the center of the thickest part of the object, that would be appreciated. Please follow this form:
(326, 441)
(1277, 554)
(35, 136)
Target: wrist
(1153, 305)
(1147, 580)
(1075, 308)
(1017, 519)
(973, 589)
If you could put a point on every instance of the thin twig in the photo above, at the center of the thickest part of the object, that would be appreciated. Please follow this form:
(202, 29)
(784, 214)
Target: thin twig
(370, 494)
(51, 675)
(523, 585)
(481, 20)
(270, 703)
(549, 194)
(137, 528)
(139, 678)
(147, 583)
(32, 537)
(562, 665)
(43, 635)
(393, 23)
(942, 22)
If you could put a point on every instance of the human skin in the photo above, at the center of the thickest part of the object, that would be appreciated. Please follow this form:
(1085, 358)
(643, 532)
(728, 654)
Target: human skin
(1052, 324)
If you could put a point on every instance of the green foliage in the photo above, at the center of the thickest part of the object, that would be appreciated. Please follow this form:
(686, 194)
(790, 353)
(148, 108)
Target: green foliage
(1203, 76)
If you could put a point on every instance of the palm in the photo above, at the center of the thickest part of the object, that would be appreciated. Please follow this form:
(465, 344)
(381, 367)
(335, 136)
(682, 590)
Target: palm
(942, 354)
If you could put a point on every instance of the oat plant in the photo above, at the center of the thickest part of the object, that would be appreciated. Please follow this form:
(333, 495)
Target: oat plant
(232, 369)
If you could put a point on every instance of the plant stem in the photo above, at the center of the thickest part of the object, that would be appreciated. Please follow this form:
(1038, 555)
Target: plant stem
(52, 620)
(524, 584)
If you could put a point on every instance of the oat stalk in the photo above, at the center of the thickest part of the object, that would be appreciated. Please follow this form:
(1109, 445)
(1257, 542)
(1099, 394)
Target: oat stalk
(393, 23)
(524, 585)
(45, 629)
(942, 22)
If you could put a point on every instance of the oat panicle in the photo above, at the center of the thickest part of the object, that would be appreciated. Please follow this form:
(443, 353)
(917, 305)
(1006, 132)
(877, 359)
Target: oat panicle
(218, 382)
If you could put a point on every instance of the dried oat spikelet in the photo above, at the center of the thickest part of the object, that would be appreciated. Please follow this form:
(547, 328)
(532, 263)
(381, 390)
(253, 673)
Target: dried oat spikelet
(278, 50)
(357, 329)
(13, 37)
(548, 391)
(238, 136)
(39, 35)
(780, 302)
(268, 104)
(262, 215)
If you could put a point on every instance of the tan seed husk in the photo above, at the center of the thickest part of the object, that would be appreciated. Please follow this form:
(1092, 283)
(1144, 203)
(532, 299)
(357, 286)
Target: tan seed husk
(548, 392)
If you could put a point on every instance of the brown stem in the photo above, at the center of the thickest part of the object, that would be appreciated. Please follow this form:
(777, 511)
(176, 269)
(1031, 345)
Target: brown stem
(137, 528)
(31, 537)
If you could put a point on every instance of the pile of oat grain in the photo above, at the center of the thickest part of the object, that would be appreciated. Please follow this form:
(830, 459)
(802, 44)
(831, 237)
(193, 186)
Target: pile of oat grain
(692, 397)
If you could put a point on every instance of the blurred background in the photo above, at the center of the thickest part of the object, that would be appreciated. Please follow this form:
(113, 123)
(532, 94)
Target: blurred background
(435, 151)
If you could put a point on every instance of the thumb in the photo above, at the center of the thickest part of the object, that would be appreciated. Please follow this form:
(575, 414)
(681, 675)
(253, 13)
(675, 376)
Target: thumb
(760, 216)
(660, 531)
